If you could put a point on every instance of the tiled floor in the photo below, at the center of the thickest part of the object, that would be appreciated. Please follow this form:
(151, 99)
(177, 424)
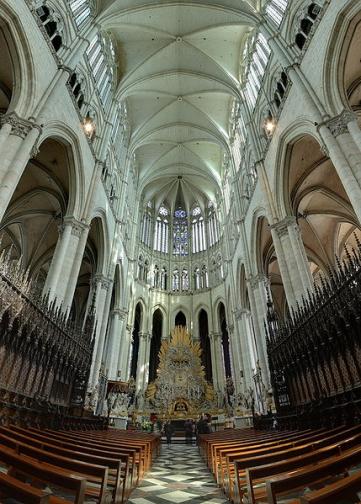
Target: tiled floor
(178, 475)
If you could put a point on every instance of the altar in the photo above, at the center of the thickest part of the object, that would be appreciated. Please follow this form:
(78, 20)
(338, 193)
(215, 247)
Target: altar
(180, 389)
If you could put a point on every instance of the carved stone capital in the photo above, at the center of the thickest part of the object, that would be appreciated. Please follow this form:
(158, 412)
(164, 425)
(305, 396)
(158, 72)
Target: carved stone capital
(255, 280)
(119, 313)
(239, 313)
(77, 226)
(19, 127)
(281, 227)
(145, 336)
(101, 281)
(338, 125)
(214, 336)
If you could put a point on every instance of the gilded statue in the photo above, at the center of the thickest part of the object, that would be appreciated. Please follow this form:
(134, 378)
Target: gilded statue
(180, 385)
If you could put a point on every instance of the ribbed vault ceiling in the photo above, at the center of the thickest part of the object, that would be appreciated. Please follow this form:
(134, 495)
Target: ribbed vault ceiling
(179, 65)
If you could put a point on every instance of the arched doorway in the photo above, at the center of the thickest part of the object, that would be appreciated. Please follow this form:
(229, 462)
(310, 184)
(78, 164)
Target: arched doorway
(180, 319)
(155, 344)
(135, 349)
(205, 344)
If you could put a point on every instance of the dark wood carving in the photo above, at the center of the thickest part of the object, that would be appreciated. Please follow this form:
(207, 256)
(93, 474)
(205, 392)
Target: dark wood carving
(314, 356)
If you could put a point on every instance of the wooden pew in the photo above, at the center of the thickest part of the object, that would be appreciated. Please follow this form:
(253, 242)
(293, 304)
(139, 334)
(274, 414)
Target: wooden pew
(288, 483)
(346, 488)
(252, 459)
(228, 457)
(94, 474)
(26, 494)
(117, 465)
(123, 438)
(46, 474)
(135, 452)
(258, 475)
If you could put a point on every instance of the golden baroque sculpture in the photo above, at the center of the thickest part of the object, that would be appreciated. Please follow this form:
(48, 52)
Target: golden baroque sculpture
(180, 388)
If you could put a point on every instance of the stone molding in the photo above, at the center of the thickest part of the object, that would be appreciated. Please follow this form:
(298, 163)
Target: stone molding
(338, 125)
(146, 336)
(20, 127)
(119, 312)
(281, 227)
(77, 226)
(255, 280)
(103, 281)
(239, 313)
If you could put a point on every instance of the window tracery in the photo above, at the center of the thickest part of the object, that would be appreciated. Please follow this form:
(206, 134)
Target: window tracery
(101, 56)
(161, 232)
(81, 10)
(146, 226)
(256, 69)
(180, 232)
(52, 24)
(306, 24)
(276, 10)
(175, 280)
(198, 231)
(213, 231)
(164, 279)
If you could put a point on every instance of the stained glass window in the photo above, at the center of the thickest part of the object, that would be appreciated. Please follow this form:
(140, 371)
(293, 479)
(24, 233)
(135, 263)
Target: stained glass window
(180, 233)
(276, 9)
(80, 10)
(198, 231)
(161, 231)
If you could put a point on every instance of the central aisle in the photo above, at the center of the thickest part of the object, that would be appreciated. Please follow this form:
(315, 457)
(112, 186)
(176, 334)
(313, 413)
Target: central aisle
(178, 475)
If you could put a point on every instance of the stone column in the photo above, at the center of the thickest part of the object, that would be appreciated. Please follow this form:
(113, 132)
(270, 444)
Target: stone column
(258, 284)
(122, 351)
(214, 362)
(76, 265)
(236, 356)
(245, 351)
(146, 361)
(125, 355)
(340, 146)
(292, 259)
(18, 139)
(218, 360)
(61, 268)
(250, 345)
(117, 317)
(141, 366)
(101, 286)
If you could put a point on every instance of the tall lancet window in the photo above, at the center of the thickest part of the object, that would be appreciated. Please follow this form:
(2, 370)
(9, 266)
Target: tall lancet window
(101, 57)
(198, 231)
(276, 9)
(81, 11)
(147, 225)
(213, 227)
(180, 232)
(161, 232)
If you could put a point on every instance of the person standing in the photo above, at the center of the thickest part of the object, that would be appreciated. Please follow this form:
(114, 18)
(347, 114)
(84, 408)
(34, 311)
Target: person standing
(188, 427)
(168, 431)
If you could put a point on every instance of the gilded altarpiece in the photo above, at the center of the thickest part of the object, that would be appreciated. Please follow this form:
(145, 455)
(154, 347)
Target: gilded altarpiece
(180, 389)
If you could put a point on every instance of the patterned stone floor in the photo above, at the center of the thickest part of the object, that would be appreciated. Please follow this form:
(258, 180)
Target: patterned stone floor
(178, 475)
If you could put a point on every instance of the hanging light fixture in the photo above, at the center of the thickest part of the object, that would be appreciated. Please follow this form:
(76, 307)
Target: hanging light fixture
(88, 125)
(269, 125)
